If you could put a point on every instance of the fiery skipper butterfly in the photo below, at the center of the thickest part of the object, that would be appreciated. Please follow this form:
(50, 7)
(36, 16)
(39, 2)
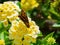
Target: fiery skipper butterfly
(24, 18)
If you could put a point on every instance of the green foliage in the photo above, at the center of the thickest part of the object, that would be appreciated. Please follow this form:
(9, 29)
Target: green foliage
(19, 4)
(43, 41)
(1, 26)
(49, 35)
(48, 8)
(4, 34)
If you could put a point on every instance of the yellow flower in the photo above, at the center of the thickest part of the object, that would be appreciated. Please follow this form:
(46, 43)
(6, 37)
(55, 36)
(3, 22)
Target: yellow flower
(19, 31)
(17, 41)
(2, 42)
(26, 42)
(51, 40)
(5, 22)
(29, 39)
(55, 3)
(29, 4)
(33, 40)
(49, 17)
(9, 10)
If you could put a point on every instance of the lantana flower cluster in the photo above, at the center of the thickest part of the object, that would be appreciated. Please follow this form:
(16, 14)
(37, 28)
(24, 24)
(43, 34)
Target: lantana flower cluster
(51, 40)
(29, 4)
(21, 35)
(2, 42)
(9, 10)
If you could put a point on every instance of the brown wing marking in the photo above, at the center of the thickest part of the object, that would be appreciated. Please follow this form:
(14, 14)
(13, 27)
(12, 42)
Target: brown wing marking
(24, 18)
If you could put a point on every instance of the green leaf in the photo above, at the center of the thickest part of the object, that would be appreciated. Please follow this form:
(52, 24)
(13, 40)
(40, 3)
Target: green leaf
(40, 34)
(19, 4)
(56, 25)
(2, 35)
(1, 25)
(49, 35)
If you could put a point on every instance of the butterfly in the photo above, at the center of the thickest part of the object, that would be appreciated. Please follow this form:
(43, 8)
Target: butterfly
(24, 18)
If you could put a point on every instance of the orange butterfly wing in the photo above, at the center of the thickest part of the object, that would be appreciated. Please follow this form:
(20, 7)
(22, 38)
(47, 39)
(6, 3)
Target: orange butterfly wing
(24, 18)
